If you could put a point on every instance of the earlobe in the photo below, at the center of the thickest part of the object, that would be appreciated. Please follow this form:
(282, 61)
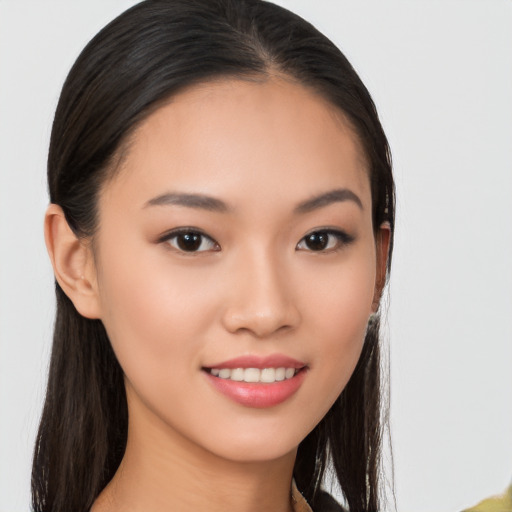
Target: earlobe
(72, 263)
(382, 246)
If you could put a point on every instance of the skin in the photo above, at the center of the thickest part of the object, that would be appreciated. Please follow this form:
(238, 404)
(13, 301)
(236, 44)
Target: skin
(257, 288)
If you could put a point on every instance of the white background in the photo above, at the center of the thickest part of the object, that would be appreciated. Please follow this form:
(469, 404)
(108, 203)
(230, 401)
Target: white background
(441, 75)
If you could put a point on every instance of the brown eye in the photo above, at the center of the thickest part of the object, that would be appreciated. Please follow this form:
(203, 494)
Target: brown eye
(191, 241)
(324, 240)
(317, 241)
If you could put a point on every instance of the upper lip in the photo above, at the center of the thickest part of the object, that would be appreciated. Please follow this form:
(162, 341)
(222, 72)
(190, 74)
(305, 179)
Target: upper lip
(253, 361)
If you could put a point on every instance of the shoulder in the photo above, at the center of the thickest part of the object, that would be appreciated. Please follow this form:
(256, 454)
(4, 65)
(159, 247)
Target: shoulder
(500, 503)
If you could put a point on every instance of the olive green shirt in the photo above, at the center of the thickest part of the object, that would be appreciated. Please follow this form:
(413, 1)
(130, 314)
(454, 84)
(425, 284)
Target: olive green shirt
(501, 503)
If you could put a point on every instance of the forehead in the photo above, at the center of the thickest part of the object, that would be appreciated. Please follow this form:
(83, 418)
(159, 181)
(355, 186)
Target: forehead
(229, 135)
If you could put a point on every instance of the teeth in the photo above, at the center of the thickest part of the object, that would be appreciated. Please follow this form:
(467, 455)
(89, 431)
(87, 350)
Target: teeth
(280, 373)
(289, 373)
(237, 374)
(225, 373)
(252, 374)
(266, 375)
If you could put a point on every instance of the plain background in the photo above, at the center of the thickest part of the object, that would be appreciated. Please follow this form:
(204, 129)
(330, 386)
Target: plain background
(440, 73)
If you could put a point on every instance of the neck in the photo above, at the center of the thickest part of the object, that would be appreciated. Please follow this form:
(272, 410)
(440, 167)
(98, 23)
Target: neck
(163, 471)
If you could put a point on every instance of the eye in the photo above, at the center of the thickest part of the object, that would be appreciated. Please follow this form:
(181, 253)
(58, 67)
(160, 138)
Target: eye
(189, 240)
(324, 240)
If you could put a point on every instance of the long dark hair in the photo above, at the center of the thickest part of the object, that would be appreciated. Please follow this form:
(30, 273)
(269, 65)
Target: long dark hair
(131, 67)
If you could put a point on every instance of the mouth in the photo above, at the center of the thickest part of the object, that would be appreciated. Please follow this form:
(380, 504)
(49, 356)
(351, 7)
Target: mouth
(257, 382)
(254, 375)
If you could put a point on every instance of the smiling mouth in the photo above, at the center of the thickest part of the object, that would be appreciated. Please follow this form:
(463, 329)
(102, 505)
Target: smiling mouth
(257, 382)
(254, 375)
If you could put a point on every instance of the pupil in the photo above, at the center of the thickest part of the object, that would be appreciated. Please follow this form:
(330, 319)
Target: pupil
(189, 241)
(317, 241)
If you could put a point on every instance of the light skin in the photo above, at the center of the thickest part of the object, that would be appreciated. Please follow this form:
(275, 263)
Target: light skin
(253, 169)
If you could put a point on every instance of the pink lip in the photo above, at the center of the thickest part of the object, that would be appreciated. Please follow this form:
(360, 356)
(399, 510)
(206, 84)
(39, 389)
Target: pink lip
(271, 361)
(258, 395)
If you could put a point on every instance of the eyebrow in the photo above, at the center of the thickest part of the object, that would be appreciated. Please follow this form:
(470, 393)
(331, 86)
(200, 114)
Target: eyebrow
(334, 196)
(190, 201)
(213, 204)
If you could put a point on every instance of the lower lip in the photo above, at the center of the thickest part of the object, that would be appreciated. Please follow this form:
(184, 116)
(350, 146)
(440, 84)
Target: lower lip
(258, 395)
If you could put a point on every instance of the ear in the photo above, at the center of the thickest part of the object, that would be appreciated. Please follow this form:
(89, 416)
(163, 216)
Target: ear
(72, 263)
(382, 247)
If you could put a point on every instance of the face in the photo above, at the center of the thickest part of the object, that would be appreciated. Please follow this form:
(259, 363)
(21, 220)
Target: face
(236, 266)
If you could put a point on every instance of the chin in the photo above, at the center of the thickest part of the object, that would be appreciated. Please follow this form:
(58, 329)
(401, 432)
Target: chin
(257, 451)
(257, 444)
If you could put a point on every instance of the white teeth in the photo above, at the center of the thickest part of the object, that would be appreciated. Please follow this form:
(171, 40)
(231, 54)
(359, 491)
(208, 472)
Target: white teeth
(266, 375)
(280, 373)
(289, 373)
(237, 374)
(225, 373)
(252, 375)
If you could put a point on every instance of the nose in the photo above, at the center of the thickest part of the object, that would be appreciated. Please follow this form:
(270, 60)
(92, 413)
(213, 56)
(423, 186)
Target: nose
(261, 297)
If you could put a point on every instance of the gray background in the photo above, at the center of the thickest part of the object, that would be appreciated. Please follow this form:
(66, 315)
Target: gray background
(440, 73)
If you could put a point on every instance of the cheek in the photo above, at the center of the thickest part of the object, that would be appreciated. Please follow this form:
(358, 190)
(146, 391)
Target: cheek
(338, 311)
(150, 309)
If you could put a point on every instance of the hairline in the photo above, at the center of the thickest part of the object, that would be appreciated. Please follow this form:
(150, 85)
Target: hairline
(118, 159)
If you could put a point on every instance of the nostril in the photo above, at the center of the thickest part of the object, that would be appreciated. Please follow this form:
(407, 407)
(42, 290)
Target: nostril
(261, 321)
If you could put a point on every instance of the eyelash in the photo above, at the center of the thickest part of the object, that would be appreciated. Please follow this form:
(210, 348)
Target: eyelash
(174, 234)
(342, 239)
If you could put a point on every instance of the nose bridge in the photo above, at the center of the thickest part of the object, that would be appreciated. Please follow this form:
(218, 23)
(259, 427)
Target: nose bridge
(262, 299)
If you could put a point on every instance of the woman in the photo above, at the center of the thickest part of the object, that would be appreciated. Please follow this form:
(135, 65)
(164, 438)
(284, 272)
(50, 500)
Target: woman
(220, 230)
